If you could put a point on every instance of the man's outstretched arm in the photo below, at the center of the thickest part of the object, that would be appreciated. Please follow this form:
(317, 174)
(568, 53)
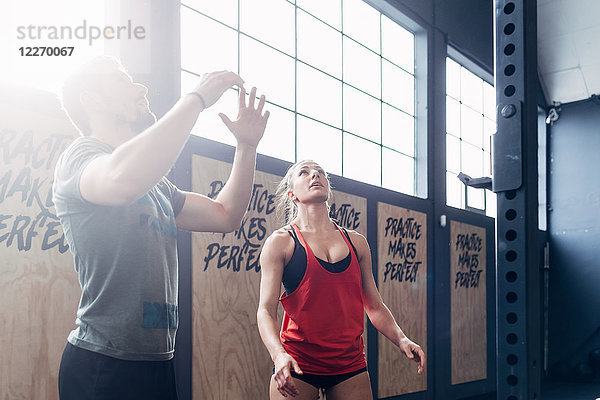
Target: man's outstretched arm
(137, 165)
(225, 212)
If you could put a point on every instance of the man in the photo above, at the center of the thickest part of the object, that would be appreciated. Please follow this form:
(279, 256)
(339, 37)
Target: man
(120, 216)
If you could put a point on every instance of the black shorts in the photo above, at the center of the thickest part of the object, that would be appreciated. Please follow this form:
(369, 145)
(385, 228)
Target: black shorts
(325, 382)
(86, 375)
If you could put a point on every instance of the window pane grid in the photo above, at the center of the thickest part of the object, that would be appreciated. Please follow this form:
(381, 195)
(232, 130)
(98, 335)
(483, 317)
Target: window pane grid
(397, 45)
(362, 138)
(457, 98)
(317, 120)
(300, 6)
(470, 121)
(343, 23)
(361, 44)
(398, 66)
(191, 8)
(267, 44)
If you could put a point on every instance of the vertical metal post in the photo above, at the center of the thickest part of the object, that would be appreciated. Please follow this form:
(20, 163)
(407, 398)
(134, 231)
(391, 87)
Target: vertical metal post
(515, 181)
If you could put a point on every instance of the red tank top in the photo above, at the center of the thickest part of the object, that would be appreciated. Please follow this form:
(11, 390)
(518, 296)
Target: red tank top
(323, 318)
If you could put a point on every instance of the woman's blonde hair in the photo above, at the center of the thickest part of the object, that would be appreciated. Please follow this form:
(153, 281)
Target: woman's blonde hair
(286, 209)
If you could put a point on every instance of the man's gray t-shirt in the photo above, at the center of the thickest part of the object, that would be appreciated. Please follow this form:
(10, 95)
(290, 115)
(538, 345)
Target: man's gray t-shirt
(126, 259)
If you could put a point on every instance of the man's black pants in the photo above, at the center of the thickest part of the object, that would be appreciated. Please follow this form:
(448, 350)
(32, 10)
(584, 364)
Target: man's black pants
(86, 375)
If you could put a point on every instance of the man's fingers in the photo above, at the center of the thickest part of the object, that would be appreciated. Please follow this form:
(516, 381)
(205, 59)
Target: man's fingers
(261, 104)
(226, 120)
(236, 80)
(265, 118)
(230, 77)
(252, 97)
(242, 98)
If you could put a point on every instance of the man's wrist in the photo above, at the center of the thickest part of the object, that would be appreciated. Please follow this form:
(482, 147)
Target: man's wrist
(199, 98)
(245, 146)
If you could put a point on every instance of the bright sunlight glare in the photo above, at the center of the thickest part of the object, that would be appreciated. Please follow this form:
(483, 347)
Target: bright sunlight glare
(53, 25)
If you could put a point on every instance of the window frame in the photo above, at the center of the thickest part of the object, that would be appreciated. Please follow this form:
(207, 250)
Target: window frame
(419, 76)
(482, 73)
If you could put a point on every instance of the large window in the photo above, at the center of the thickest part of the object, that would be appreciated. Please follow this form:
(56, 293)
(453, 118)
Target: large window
(339, 79)
(470, 122)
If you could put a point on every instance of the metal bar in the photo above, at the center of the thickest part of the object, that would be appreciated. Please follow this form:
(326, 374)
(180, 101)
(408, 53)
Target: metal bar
(515, 181)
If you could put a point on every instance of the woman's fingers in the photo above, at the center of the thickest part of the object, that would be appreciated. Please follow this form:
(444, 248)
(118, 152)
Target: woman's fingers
(285, 383)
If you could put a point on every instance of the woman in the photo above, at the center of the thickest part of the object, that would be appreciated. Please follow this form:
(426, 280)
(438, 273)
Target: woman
(326, 273)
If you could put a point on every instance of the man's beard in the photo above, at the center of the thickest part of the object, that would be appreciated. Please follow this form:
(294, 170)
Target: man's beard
(144, 120)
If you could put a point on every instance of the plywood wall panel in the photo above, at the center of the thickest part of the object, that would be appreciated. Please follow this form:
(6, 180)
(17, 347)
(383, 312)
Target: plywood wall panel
(39, 291)
(229, 358)
(402, 281)
(468, 319)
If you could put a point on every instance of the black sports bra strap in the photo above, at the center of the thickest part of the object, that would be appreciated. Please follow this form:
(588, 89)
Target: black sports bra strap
(293, 234)
(349, 241)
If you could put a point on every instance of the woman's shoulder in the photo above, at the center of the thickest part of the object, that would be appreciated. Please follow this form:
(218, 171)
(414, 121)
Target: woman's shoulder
(279, 245)
(279, 237)
(358, 240)
(353, 234)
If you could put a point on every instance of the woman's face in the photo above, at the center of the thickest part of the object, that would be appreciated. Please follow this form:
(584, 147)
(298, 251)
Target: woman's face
(309, 183)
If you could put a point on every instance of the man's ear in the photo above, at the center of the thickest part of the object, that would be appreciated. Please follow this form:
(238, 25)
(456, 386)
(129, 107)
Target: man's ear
(90, 100)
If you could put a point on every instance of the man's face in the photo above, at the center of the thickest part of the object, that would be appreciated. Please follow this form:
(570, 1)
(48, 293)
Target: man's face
(126, 101)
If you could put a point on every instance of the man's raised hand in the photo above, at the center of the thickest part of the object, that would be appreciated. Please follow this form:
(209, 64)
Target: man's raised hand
(213, 84)
(250, 124)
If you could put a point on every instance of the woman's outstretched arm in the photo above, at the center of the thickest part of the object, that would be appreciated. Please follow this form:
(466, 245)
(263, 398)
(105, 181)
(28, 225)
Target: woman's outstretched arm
(272, 261)
(379, 314)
